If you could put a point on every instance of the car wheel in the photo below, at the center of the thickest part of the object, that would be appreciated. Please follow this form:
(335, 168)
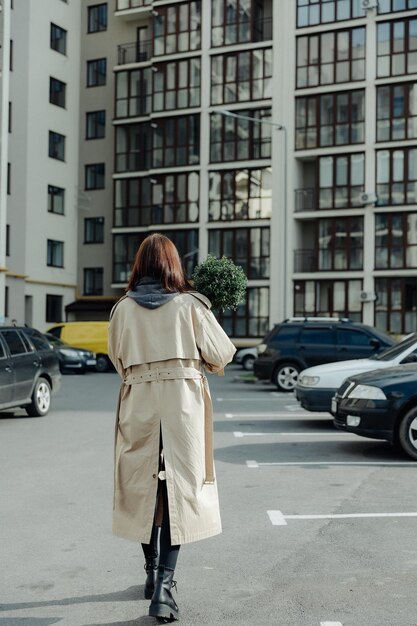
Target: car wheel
(247, 362)
(102, 363)
(407, 433)
(285, 376)
(41, 399)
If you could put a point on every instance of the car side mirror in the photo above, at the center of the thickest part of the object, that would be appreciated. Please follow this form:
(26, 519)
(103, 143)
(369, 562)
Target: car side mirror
(374, 343)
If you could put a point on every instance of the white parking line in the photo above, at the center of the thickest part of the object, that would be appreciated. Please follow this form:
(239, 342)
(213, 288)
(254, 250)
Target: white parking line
(279, 519)
(278, 415)
(243, 399)
(254, 464)
(331, 624)
(238, 433)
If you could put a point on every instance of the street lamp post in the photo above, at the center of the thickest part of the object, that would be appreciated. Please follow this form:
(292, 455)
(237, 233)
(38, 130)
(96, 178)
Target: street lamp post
(279, 127)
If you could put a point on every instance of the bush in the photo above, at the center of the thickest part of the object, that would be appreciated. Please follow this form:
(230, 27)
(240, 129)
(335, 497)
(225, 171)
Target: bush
(221, 281)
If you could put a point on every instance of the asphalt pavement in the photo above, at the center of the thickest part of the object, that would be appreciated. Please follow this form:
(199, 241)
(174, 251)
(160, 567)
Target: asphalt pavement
(319, 526)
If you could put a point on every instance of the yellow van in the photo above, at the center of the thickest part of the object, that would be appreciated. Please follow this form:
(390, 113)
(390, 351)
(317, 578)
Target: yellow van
(89, 335)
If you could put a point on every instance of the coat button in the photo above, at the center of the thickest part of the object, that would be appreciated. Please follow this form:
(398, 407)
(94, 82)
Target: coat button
(153, 475)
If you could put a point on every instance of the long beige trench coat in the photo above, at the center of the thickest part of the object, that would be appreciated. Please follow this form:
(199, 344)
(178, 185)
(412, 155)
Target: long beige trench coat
(160, 354)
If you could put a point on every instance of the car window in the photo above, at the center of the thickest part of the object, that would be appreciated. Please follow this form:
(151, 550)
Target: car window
(351, 337)
(56, 331)
(394, 351)
(2, 352)
(286, 334)
(39, 340)
(28, 345)
(317, 335)
(14, 342)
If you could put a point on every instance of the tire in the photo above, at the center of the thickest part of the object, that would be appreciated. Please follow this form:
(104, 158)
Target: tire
(41, 399)
(247, 362)
(285, 376)
(407, 433)
(102, 363)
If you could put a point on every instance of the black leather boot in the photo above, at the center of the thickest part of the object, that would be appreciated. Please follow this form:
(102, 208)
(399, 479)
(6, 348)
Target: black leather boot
(163, 604)
(151, 569)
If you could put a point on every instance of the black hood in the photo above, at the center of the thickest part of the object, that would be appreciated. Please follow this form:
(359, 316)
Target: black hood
(150, 294)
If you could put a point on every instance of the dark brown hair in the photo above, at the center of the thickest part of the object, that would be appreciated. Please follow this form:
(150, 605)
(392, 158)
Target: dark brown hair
(158, 258)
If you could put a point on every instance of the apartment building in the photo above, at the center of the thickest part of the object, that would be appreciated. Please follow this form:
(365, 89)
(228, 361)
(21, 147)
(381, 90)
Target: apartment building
(279, 133)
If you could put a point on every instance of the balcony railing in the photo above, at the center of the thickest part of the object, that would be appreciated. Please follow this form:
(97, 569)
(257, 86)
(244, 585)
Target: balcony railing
(134, 52)
(124, 5)
(305, 260)
(306, 199)
(245, 31)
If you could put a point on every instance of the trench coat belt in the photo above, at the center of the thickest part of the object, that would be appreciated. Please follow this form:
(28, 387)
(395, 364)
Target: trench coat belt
(174, 373)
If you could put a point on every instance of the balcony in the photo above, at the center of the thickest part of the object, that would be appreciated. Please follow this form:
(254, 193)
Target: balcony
(327, 198)
(306, 199)
(245, 31)
(125, 5)
(305, 260)
(134, 52)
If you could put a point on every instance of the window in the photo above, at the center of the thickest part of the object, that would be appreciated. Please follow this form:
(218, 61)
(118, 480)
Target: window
(240, 194)
(395, 240)
(391, 6)
(311, 12)
(56, 146)
(250, 319)
(9, 122)
(11, 55)
(177, 28)
(396, 173)
(176, 85)
(93, 281)
(56, 200)
(134, 92)
(53, 308)
(133, 147)
(6, 305)
(96, 72)
(55, 253)
(338, 298)
(57, 92)
(95, 125)
(95, 176)
(341, 180)
(330, 119)
(164, 199)
(396, 304)
(97, 18)
(176, 141)
(340, 244)
(126, 245)
(14, 342)
(58, 39)
(235, 139)
(397, 48)
(240, 21)
(7, 239)
(94, 230)
(331, 57)
(241, 76)
(397, 112)
(9, 178)
(350, 337)
(247, 247)
(316, 335)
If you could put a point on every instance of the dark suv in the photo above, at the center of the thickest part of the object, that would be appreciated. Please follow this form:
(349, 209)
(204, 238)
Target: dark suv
(29, 370)
(298, 343)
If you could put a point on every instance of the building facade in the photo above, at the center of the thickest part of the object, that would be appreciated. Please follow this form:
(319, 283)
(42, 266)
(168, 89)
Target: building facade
(281, 134)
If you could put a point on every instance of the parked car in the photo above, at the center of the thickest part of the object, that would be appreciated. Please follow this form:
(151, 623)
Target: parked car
(381, 405)
(298, 343)
(245, 357)
(29, 370)
(316, 386)
(90, 336)
(72, 359)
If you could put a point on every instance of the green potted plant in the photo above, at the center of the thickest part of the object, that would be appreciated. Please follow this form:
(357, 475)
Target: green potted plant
(221, 281)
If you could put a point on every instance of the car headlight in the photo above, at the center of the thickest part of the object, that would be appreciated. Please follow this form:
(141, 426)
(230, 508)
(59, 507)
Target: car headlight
(367, 392)
(261, 347)
(72, 354)
(308, 381)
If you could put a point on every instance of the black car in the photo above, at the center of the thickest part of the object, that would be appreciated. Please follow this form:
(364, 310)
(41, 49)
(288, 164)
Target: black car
(72, 359)
(298, 343)
(29, 370)
(381, 404)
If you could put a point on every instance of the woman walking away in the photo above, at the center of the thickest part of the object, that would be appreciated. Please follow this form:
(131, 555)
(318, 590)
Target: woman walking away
(162, 336)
